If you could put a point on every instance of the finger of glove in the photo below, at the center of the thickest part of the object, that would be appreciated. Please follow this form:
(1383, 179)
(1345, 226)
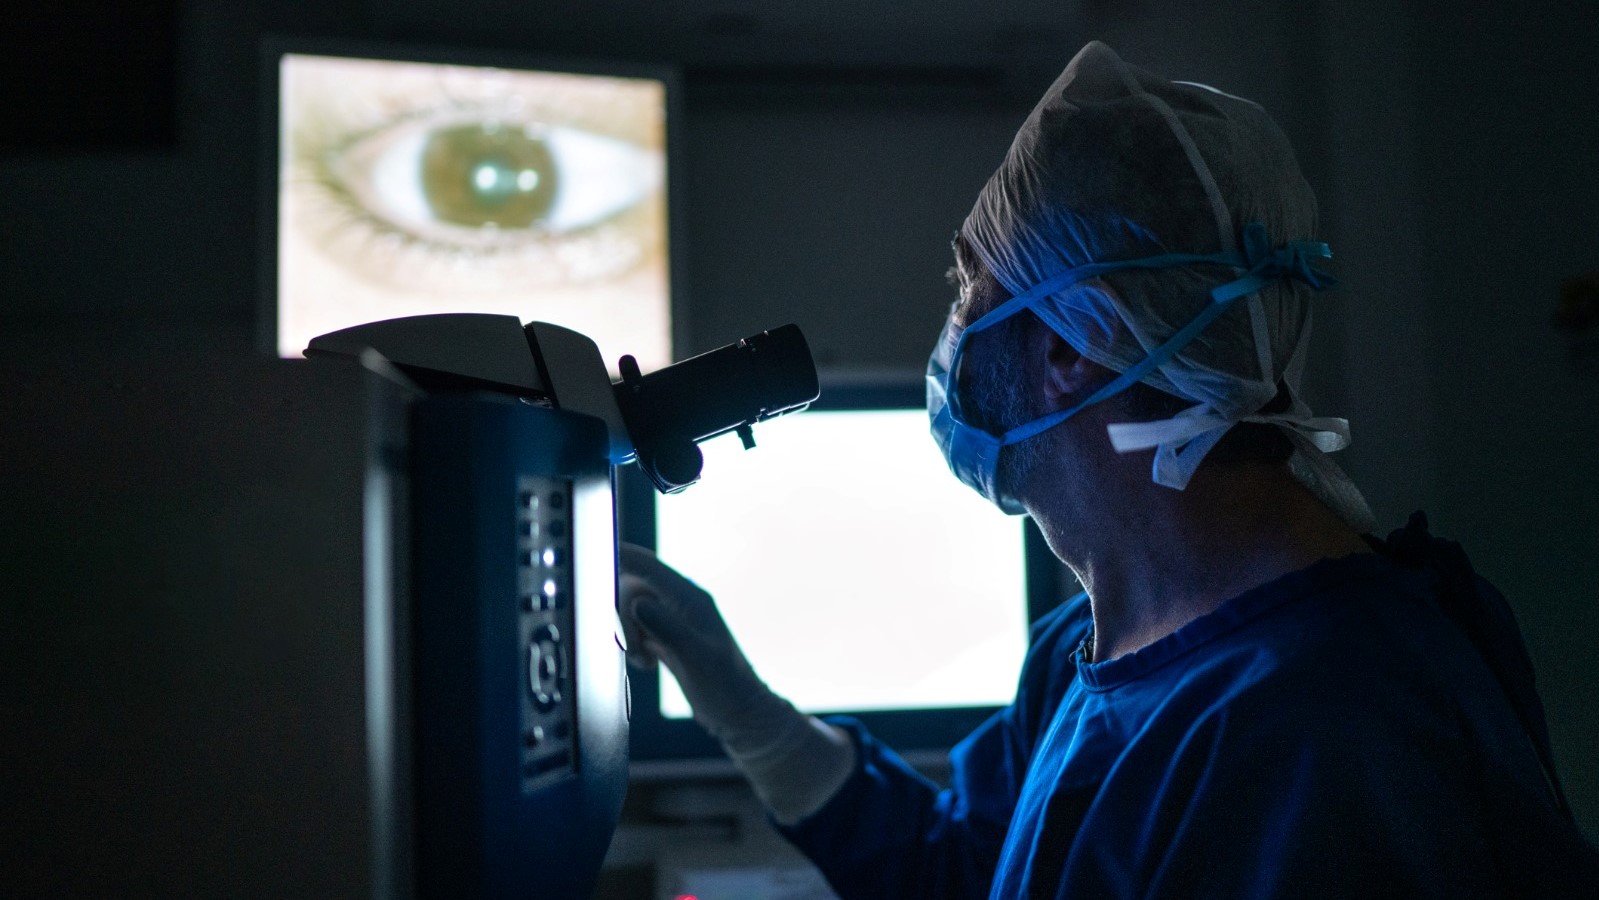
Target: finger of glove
(641, 650)
(643, 563)
(657, 627)
(644, 650)
(674, 610)
(713, 698)
(684, 630)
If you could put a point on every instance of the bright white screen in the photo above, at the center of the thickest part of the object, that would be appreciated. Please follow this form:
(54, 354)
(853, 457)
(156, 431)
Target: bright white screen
(409, 188)
(853, 568)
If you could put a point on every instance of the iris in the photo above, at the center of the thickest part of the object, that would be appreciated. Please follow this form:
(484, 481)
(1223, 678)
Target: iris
(484, 174)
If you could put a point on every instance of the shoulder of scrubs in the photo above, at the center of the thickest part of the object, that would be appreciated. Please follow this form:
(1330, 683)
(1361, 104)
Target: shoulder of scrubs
(1331, 734)
(890, 832)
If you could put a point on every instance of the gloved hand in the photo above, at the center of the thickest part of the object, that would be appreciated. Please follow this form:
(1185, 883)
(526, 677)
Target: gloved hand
(667, 618)
(795, 762)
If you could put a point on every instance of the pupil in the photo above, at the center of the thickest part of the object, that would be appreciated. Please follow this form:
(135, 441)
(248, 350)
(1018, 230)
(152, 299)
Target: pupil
(474, 176)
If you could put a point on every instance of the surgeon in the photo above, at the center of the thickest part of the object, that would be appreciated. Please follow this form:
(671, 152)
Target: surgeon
(1253, 697)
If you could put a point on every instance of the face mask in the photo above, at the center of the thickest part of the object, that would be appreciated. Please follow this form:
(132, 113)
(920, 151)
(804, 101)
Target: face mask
(973, 454)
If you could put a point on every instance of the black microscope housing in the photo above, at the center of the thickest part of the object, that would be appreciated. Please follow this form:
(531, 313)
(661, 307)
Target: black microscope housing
(497, 682)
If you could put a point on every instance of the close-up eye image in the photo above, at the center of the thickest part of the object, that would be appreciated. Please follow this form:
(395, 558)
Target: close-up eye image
(408, 188)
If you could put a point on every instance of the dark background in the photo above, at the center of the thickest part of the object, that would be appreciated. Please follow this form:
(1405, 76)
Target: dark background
(831, 148)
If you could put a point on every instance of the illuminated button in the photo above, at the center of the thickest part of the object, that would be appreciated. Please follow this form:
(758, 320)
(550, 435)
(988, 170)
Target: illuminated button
(551, 557)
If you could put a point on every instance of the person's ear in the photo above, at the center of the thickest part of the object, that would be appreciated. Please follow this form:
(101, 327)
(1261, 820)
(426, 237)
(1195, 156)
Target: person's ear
(1069, 376)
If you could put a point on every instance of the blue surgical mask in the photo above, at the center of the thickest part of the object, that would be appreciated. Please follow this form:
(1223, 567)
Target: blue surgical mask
(973, 453)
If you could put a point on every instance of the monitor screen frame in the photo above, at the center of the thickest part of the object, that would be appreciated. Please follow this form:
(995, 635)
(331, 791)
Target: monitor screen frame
(274, 47)
(669, 747)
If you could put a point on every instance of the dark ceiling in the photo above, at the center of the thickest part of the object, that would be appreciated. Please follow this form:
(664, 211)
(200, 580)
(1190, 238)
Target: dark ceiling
(776, 33)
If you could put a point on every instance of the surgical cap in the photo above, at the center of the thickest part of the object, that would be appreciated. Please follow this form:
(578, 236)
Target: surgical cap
(1115, 163)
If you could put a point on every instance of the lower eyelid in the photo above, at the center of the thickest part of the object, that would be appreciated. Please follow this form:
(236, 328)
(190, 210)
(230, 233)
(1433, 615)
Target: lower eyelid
(376, 251)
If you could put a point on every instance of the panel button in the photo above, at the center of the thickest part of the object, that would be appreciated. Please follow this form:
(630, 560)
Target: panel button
(545, 665)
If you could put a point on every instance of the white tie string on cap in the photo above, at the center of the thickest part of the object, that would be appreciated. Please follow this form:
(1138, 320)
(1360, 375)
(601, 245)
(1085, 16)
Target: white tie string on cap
(1116, 163)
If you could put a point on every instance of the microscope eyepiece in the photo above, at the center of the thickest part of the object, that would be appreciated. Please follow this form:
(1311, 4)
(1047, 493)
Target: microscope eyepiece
(727, 389)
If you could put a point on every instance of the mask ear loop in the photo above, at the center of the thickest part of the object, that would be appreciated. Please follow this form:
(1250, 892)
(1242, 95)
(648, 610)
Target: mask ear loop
(1182, 442)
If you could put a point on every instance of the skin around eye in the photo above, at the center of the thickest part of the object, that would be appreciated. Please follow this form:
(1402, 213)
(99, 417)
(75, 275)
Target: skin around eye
(413, 188)
(466, 181)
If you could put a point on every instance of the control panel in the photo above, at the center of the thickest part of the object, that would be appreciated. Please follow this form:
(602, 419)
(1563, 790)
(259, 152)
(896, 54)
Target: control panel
(545, 601)
(520, 708)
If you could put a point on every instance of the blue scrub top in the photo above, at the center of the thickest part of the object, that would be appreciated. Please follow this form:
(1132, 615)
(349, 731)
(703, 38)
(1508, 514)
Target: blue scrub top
(1343, 731)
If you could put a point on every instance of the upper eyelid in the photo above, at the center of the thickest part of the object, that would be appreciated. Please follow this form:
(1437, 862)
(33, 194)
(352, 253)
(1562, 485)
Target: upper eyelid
(331, 132)
(419, 95)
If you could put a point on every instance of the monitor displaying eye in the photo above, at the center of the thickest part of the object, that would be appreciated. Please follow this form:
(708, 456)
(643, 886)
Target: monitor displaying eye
(484, 183)
(407, 188)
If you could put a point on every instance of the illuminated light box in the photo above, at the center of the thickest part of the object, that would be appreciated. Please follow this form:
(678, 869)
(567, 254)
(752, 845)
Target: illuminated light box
(409, 187)
(856, 572)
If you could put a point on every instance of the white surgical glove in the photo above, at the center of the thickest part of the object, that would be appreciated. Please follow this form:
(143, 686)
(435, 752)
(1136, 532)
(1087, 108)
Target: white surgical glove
(795, 762)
